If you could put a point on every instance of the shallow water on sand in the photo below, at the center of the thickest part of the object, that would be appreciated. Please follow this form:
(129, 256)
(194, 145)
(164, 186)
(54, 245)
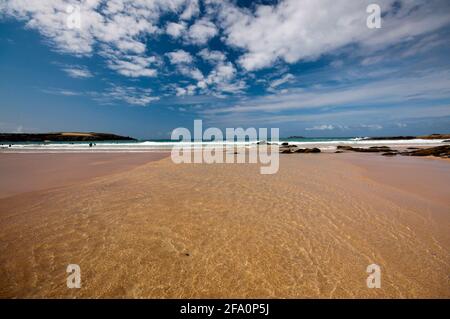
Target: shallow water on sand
(183, 231)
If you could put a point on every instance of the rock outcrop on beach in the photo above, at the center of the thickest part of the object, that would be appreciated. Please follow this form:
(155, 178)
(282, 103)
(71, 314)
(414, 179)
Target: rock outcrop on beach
(62, 137)
(292, 149)
(438, 151)
(308, 150)
(387, 138)
(435, 137)
(372, 149)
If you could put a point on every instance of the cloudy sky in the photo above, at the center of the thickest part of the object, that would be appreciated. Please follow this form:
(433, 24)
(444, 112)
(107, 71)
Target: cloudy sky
(145, 67)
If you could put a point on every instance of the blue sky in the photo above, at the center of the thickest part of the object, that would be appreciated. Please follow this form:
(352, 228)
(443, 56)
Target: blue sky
(143, 68)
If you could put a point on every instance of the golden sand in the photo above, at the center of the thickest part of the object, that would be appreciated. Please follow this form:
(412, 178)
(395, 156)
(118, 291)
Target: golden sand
(162, 230)
(27, 172)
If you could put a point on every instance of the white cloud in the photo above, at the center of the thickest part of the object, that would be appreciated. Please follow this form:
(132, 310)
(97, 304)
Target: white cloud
(112, 95)
(329, 127)
(117, 29)
(372, 60)
(192, 10)
(223, 72)
(180, 91)
(222, 79)
(320, 128)
(189, 90)
(129, 95)
(183, 61)
(191, 72)
(213, 56)
(431, 85)
(284, 79)
(175, 29)
(337, 63)
(372, 126)
(58, 91)
(296, 30)
(180, 57)
(201, 31)
(76, 71)
(131, 65)
(122, 31)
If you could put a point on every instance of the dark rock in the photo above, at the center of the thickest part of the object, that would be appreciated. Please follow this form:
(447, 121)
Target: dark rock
(413, 148)
(389, 154)
(313, 150)
(435, 136)
(439, 151)
(308, 150)
(284, 144)
(285, 148)
(446, 141)
(384, 138)
(379, 147)
(372, 149)
(339, 152)
(344, 147)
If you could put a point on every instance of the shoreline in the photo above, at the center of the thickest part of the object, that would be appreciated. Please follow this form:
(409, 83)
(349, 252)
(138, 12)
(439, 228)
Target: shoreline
(152, 146)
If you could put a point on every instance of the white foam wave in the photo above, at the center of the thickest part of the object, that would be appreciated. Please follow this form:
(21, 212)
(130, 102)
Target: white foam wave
(149, 146)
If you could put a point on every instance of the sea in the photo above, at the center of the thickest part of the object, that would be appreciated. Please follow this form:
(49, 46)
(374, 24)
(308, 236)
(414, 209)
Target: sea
(325, 144)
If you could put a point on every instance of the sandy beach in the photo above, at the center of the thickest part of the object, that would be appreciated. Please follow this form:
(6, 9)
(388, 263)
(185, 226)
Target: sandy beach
(141, 226)
(22, 172)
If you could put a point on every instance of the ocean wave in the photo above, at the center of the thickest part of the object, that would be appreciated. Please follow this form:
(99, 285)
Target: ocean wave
(168, 145)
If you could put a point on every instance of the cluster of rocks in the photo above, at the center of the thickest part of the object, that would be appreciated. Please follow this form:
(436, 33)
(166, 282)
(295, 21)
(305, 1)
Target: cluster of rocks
(372, 149)
(438, 151)
(435, 137)
(285, 148)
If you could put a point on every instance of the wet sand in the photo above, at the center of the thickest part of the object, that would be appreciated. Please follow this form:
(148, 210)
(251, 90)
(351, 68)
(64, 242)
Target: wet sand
(162, 230)
(26, 172)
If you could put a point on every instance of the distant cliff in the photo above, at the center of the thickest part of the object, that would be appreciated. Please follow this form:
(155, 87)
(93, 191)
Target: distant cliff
(62, 137)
